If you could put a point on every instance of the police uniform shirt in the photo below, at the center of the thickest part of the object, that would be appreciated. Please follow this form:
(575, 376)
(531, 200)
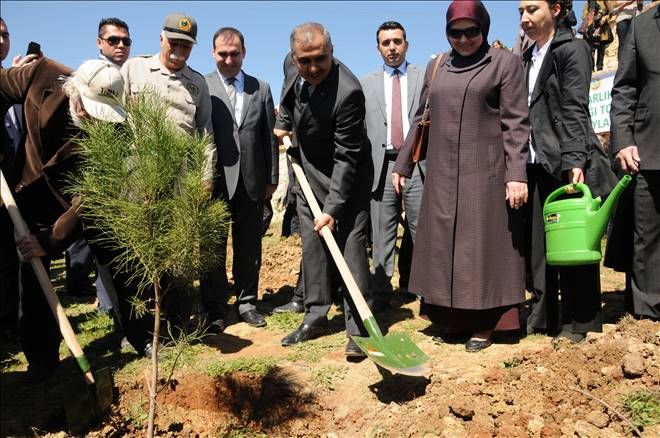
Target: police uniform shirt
(185, 91)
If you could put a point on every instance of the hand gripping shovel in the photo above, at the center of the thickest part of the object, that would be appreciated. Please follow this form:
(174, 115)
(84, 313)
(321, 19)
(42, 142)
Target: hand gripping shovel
(81, 410)
(396, 351)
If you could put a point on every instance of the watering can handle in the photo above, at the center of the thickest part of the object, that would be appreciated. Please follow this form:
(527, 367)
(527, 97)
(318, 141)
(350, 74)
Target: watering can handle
(579, 187)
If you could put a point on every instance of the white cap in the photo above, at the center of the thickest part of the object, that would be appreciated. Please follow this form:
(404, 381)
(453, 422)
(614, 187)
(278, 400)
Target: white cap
(101, 87)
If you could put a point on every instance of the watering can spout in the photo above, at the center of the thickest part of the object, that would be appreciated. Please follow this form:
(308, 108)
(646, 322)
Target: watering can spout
(598, 222)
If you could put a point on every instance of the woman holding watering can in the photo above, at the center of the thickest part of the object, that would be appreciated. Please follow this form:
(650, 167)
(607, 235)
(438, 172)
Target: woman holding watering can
(563, 149)
(468, 265)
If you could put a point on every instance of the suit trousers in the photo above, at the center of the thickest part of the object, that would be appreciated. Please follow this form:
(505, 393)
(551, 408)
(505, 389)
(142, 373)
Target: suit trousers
(318, 266)
(246, 231)
(646, 244)
(79, 262)
(40, 334)
(580, 308)
(8, 274)
(386, 207)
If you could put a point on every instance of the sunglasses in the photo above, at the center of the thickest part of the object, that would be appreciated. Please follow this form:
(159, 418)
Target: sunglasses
(114, 40)
(469, 32)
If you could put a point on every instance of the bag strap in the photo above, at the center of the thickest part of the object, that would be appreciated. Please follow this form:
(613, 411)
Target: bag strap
(438, 61)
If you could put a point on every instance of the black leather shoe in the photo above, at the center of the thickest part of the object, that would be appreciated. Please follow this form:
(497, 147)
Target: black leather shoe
(254, 318)
(291, 306)
(304, 333)
(216, 326)
(352, 350)
(474, 345)
(148, 350)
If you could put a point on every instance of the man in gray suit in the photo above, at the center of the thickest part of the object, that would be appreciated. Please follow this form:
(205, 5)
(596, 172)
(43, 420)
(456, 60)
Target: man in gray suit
(247, 172)
(635, 144)
(391, 98)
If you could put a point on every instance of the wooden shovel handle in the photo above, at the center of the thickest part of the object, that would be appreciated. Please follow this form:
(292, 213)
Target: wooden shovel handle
(353, 289)
(53, 301)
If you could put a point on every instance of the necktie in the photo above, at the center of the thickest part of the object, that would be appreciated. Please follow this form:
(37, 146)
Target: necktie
(304, 92)
(231, 92)
(397, 120)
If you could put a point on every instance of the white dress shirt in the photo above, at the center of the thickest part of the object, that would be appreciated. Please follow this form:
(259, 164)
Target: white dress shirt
(239, 84)
(535, 68)
(388, 73)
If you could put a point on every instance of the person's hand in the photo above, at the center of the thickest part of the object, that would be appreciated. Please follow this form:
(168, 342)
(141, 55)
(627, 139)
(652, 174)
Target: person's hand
(399, 182)
(19, 61)
(325, 220)
(270, 189)
(516, 194)
(576, 175)
(628, 159)
(29, 247)
(280, 134)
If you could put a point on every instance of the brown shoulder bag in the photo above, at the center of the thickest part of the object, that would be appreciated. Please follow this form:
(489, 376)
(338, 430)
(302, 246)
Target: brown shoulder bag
(421, 138)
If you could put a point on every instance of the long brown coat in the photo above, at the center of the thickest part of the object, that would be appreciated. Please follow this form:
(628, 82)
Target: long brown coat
(469, 247)
(46, 156)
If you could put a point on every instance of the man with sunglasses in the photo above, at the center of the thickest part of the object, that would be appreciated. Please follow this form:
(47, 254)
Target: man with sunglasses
(114, 41)
(115, 47)
(243, 120)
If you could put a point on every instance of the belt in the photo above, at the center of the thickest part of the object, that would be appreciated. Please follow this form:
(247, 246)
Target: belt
(391, 155)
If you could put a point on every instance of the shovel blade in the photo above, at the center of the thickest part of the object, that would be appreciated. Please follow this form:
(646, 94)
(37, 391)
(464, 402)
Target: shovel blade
(395, 352)
(85, 404)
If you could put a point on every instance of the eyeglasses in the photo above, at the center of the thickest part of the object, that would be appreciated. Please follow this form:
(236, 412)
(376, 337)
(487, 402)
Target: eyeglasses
(114, 40)
(469, 32)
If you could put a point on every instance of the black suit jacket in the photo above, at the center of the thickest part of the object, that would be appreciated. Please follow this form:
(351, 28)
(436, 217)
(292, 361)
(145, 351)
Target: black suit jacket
(635, 111)
(247, 146)
(332, 142)
(559, 113)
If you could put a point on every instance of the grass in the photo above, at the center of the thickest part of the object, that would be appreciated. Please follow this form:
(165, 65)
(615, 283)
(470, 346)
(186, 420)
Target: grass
(313, 351)
(256, 366)
(643, 406)
(136, 413)
(511, 363)
(327, 376)
(284, 321)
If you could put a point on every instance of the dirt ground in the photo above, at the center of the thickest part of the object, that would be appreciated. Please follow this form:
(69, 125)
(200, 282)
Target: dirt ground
(243, 383)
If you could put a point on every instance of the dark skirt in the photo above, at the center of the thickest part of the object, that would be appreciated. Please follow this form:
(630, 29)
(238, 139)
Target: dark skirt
(452, 320)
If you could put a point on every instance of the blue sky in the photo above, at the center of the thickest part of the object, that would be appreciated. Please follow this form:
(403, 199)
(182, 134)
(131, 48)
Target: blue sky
(67, 30)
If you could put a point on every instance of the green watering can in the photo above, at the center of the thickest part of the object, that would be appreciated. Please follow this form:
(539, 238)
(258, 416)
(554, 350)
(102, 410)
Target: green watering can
(575, 226)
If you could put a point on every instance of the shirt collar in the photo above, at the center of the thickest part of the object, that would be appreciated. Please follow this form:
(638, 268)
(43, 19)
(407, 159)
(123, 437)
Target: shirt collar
(240, 77)
(403, 68)
(540, 53)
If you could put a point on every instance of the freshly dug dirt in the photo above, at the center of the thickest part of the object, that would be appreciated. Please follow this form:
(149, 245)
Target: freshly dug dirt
(525, 389)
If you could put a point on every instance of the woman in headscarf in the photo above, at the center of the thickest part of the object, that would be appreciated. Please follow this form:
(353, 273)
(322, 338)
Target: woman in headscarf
(563, 149)
(468, 265)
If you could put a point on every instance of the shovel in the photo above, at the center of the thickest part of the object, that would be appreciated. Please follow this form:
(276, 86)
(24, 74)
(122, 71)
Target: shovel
(396, 351)
(81, 410)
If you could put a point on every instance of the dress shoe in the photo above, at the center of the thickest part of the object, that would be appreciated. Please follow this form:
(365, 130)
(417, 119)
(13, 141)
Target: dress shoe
(450, 338)
(352, 349)
(304, 333)
(291, 306)
(217, 326)
(148, 350)
(474, 345)
(253, 318)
